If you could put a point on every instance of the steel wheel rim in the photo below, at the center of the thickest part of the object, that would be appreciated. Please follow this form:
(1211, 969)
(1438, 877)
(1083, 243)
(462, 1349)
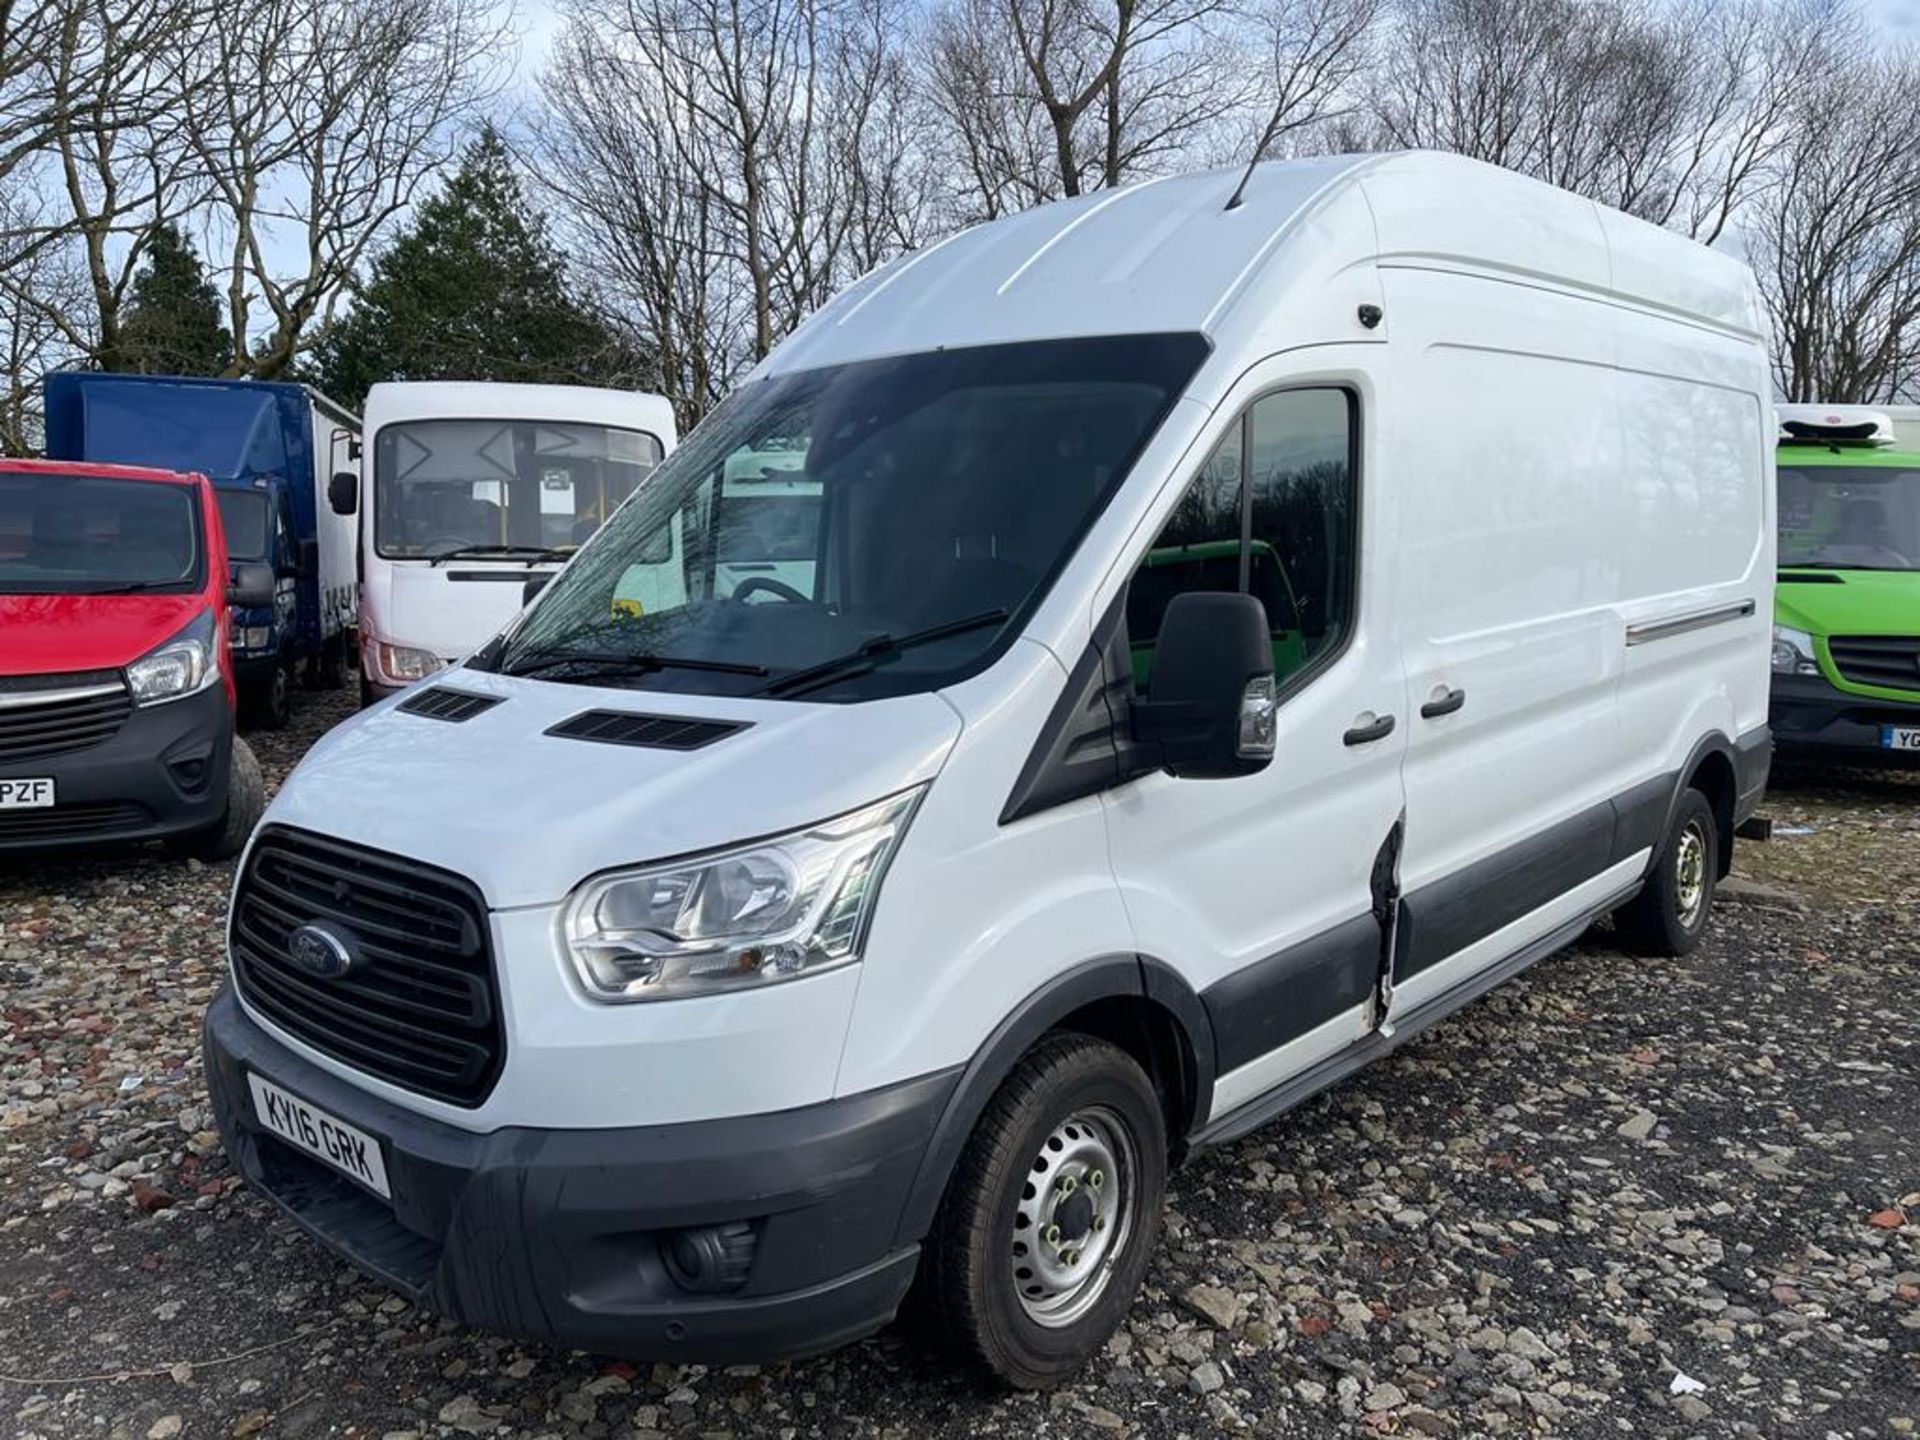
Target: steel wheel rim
(1073, 1217)
(1690, 873)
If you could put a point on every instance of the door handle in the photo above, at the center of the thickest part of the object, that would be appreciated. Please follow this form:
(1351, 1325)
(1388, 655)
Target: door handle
(1443, 704)
(1376, 729)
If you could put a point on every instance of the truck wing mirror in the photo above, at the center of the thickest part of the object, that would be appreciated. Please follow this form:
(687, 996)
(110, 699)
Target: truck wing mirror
(251, 586)
(1209, 713)
(343, 492)
(306, 559)
(535, 584)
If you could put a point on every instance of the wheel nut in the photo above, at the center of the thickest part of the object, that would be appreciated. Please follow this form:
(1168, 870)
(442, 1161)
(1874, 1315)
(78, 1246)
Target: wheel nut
(1066, 1184)
(1096, 1179)
(1053, 1235)
(1073, 1257)
(1099, 1223)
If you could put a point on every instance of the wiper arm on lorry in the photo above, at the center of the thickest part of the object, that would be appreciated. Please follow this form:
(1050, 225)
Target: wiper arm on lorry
(504, 552)
(872, 652)
(610, 663)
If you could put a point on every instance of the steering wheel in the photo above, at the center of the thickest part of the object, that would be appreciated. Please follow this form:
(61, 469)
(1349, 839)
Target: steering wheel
(772, 586)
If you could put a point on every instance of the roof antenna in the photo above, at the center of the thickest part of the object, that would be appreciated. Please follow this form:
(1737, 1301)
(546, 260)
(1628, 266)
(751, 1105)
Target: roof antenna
(1259, 152)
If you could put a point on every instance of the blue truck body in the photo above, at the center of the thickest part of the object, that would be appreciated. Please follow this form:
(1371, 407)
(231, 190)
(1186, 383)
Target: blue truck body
(277, 442)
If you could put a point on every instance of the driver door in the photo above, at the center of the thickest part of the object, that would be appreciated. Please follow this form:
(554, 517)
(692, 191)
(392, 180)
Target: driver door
(1259, 890)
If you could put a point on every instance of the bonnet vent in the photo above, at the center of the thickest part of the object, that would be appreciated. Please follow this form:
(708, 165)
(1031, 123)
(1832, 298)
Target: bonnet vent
(443, 702)
(649, 732)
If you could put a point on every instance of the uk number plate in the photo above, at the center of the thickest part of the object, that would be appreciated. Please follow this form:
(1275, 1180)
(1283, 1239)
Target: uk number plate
(26, 794)
(351, 1151)
(1892, 737)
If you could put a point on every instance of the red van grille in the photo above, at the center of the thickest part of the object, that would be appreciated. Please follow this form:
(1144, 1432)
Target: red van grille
(42, 715)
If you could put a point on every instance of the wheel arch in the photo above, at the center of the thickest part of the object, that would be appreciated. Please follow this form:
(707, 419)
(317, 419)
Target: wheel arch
(1713, 768)
(1135, 1002)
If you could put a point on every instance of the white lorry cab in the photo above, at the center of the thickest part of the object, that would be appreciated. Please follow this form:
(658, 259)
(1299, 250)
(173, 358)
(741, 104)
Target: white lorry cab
(470, 489)
(1223, 639)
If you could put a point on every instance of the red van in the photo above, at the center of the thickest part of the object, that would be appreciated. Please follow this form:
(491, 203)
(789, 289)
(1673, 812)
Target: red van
(116, 686)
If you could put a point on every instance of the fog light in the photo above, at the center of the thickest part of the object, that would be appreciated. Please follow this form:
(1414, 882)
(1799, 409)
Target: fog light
(709, 1259)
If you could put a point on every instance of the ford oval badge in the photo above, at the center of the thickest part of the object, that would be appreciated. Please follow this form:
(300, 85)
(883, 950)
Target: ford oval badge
(324, 952)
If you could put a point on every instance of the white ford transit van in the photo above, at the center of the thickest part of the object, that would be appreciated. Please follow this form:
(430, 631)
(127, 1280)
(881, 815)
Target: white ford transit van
(1230, 638)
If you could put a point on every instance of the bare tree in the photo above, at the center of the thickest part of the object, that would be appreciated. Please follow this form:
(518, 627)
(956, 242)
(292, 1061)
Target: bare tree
(725, 165)
(43, 284)
(98, 102)
(1312, 54)
(318, 123)
(1047, 98)
(1672, 112)
(1836, 238)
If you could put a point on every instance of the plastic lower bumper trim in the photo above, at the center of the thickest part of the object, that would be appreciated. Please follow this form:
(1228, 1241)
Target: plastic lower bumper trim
(162, 773)
(556, 1234)
(1812, 720)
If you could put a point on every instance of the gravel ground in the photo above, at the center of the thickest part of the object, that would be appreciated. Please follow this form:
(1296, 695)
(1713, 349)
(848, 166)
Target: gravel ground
(1616, 1197)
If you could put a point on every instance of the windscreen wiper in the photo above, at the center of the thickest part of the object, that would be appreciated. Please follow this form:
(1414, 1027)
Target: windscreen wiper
(610, 663)
(475, 552)
(873, 652)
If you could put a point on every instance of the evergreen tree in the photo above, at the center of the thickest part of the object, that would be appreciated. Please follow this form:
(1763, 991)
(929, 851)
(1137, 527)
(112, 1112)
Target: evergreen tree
(472, 289)
(172, 324)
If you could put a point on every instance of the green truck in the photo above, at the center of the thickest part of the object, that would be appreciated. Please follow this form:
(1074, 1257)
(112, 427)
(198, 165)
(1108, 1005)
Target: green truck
(1846, 633)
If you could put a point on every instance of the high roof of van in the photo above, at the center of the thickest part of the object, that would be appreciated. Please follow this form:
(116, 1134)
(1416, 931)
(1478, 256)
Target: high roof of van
(1282, 268)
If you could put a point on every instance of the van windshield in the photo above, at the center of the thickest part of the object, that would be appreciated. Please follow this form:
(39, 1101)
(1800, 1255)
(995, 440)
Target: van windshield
(450, 487)
(901, 515)
(89, 535)
(1849, 517)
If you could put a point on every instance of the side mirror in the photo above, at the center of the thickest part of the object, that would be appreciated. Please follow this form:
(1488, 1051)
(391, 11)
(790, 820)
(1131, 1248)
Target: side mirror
(306, 559)
(343, 492)
(535, 584)
(1209, 713)
(251, 586)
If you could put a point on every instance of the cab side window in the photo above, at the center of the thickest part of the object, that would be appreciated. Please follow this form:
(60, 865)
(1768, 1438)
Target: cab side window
(1270, 514)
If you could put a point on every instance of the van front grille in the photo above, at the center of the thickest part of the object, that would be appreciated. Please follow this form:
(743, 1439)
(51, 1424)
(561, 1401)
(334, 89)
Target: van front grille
(45, 715)
(1892, 661)
(418, 1007)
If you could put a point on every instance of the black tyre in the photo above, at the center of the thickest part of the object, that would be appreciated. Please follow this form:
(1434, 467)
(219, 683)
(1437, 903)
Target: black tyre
(1051, 1215)
(328, 669)
(270, 703)
(1670, 915)
(246, 800)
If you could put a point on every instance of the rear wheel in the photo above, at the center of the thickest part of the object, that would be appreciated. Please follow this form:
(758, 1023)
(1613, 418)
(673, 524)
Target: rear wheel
(1050, 1218)
(327, 670)
(1670, 914)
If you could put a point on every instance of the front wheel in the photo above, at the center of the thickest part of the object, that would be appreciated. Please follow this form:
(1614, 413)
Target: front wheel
(270, 706)
(1050, 1218)
(1669, 916)
(246, 800)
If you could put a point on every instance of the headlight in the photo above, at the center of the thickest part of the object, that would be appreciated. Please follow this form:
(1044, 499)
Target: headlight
(184, 666)
(774, 910)
(1793, 652)
(250, 637)
(402, 664)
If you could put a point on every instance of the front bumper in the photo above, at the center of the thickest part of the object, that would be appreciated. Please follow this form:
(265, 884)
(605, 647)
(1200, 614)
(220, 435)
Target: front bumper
(1812, 720)
(557, 1234)
(162, 773)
